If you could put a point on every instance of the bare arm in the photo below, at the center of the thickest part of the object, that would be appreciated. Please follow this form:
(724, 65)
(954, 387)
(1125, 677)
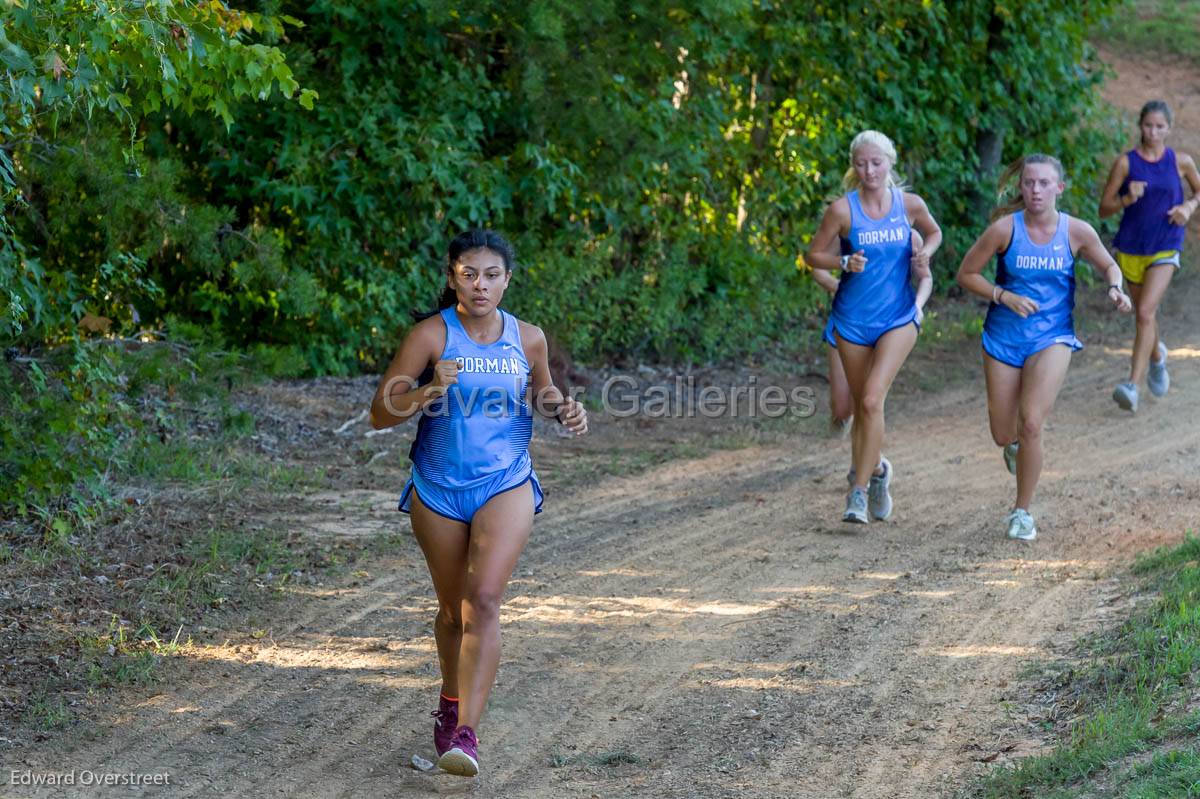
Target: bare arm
(397, 397)
(824, 250)
(825, 279)
(924, 276)
(548, 400)
(924, 289)
(1092, 250)
(924, 223)
(970, 273)
(1110, 201)
(1180, 214)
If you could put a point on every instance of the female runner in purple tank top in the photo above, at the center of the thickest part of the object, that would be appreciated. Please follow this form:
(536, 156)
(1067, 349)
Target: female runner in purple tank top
(472, 541)
(1146, 185)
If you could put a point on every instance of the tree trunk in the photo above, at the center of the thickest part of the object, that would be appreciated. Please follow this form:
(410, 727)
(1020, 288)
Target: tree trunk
(989, 140)
(989, 148)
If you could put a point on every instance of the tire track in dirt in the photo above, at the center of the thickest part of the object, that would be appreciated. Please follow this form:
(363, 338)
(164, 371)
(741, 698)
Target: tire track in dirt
(1061, 596)
(711, 621)
(245, 701)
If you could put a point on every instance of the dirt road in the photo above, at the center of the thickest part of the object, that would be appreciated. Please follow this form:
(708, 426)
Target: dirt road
(708, 628)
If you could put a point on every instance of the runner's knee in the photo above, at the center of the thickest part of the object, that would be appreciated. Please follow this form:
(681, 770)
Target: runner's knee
(484, 603)
(871, 403)
(1030, 428)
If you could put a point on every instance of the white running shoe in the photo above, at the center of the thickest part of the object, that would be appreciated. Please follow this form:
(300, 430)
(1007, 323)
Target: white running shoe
(856, 507)
(879, 499)
(1126, 396)
(1010, 457)
(1020, 525)
(1157, 378)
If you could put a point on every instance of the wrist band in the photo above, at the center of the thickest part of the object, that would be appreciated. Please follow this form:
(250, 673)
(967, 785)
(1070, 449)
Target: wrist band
(995, 291)
(845, 261)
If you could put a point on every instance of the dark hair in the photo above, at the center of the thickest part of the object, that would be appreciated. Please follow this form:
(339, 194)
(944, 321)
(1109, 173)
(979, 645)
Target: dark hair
(1015, 170)
(1159, 106)
(1156, 106)
(460, 245)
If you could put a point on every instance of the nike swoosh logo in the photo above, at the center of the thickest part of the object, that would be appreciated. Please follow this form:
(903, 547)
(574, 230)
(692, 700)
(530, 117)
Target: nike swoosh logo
(1057, 247)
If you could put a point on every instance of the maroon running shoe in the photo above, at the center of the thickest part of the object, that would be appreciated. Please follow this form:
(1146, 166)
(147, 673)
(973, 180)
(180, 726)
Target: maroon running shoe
(445, 722)
(462, 757)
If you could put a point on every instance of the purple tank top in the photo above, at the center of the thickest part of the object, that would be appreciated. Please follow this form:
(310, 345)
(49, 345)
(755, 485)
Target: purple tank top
(1145, 228)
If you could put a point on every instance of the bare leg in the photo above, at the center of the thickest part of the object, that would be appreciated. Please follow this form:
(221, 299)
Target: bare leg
(1003, 396)
(1041, 379)
(444, 542)
(1146, 299)
(861, 358)
(870, 373)
(499, 533)
(841, 406)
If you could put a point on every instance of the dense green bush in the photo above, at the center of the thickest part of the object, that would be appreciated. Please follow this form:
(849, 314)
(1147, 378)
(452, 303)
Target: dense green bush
(82, 214)
(70, 66)
(660, 167)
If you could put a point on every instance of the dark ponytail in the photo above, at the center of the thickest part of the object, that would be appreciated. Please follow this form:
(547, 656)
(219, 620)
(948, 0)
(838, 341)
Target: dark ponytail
(460, 245)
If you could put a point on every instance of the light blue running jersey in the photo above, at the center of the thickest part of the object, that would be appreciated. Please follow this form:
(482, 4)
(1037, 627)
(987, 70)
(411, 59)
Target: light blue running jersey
(1045, 273)
(481, 428)
(881, 297)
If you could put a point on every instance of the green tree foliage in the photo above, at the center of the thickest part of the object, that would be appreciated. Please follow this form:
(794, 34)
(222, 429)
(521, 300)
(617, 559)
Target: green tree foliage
(660, 166)
(65, 61)
(80, 78)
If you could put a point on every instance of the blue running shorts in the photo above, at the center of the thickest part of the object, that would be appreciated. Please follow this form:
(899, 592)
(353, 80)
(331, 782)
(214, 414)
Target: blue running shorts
(1015, 356)
(461, 504)
(866, 335)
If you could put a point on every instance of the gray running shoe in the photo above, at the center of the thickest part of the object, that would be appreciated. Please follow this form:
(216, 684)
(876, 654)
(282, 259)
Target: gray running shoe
(1020, 525)
(1126, 395)
(1157, 378)
(856, 507)
(878, 497)
(1010, 457)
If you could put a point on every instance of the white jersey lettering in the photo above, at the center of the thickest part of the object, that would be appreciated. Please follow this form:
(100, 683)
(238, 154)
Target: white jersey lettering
(868, 237)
